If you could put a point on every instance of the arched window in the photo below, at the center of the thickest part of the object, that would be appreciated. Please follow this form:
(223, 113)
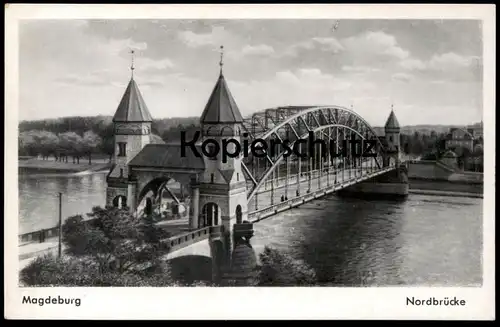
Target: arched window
(210, 215)
(237, 177)
(211, 150)
(212, 131)
(122, 149)
(212, 177)
(226, 130)
(120, 202)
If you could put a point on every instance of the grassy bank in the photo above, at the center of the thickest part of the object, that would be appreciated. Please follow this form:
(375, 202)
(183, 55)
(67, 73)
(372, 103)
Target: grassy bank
(50, 166)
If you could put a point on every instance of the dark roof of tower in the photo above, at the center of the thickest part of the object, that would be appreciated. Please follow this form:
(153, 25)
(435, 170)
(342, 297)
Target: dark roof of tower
(132, 107)
(392, 121)
(221, 107)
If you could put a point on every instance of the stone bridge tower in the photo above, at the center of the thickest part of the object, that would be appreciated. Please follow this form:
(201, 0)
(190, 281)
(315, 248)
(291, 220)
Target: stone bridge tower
(132, 131)
(222, 186)
(392, 138)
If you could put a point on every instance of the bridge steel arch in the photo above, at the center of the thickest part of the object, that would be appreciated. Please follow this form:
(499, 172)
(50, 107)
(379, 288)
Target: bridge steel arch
(283, 122)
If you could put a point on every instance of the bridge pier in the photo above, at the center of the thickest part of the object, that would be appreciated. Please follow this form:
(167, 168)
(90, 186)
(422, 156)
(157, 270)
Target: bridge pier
(240, 269)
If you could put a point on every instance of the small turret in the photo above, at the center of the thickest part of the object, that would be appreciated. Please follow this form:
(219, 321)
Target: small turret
(392, 124)
(392, 137)
(132, 132)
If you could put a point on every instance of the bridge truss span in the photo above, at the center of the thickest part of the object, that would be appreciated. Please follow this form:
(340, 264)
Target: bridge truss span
(332, 150)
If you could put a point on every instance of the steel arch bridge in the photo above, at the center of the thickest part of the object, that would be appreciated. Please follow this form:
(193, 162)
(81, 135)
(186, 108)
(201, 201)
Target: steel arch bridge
(273, 172)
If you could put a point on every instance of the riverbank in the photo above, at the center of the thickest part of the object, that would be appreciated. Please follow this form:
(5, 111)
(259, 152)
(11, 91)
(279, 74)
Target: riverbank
(445, 187)
(37, 166)
(446, 193)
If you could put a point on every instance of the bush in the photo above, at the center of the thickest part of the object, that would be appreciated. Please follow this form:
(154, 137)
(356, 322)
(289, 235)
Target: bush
(70, 271)
(280, 269)
(113, 249)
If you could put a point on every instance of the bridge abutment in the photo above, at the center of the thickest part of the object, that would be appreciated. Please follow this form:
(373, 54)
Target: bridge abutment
(392, 184)
(240, 269)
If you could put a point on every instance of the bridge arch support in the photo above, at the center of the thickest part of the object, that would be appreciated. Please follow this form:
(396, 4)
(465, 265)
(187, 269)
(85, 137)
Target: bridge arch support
(149, 184)
(332, 124)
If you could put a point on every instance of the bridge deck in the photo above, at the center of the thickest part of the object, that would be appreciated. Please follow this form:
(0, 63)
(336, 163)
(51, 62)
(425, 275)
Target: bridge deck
(177, 226)
(268, 206)
(319, 180)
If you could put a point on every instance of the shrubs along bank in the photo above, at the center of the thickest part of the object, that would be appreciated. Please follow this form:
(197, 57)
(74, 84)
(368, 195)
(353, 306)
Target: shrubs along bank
(113, 248)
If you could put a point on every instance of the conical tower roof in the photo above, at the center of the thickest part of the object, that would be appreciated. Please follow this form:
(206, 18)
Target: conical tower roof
(132, 107)
(221, 107)
(392, 121)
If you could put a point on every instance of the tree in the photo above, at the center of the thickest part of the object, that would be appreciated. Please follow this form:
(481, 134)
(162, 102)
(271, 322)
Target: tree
(113, 248)
(26, 144)
(280, 269)
(48, 143)
(90, 142)
(71, 143)
(37, 142)
(115, 239)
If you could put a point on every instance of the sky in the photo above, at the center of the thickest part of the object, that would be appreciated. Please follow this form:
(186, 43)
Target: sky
(430, 71)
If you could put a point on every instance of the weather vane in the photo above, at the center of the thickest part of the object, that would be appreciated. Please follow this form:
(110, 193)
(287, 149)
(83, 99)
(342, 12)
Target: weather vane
(335, 26)
(221, 63)
(132, 62)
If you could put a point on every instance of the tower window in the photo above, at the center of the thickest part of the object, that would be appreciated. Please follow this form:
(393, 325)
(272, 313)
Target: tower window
(212, 178)
(121, 172)
(122, 147)
(211, 149)
(390, 138)
(237, 177)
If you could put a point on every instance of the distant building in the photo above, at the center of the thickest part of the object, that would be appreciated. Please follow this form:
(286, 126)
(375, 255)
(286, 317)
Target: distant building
(476, 130)
(466, 144)
(459, 138)
(450, 158)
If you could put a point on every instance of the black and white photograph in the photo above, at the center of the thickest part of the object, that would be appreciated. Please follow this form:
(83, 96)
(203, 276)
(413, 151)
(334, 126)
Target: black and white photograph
(251, 153)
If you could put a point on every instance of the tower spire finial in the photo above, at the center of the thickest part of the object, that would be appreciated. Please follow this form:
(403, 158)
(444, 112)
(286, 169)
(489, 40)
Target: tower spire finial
(221, 63)
(132, 62)
(392, 106)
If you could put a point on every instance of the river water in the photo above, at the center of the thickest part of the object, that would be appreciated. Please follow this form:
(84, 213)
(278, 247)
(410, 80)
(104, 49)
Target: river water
(423, 240)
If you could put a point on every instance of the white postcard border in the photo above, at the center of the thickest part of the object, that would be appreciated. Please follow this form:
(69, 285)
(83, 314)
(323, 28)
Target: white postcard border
(246, 303)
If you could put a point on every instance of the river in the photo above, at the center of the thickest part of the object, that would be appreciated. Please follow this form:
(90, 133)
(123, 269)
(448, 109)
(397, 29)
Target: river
(423, 240)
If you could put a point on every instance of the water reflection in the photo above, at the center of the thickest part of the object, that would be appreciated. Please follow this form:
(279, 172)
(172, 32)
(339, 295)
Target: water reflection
(38, 198)
(354, 242)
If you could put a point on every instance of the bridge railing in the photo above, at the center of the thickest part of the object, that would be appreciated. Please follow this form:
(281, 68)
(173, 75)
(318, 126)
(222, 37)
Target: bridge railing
(179, 241)
(182, 240)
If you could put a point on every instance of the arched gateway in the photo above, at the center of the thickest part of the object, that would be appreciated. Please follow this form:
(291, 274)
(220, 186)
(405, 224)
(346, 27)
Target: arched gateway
(216, 189)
